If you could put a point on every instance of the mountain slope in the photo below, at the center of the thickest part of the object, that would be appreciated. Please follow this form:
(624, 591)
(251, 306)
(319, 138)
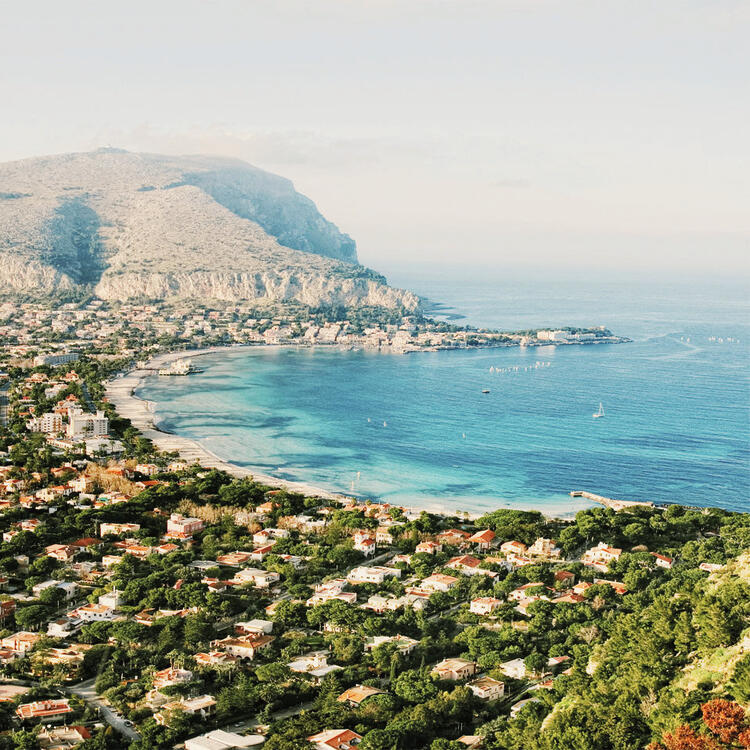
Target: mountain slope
(146, 226)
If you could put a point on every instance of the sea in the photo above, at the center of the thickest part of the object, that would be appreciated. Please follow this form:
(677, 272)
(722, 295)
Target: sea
(418, 430)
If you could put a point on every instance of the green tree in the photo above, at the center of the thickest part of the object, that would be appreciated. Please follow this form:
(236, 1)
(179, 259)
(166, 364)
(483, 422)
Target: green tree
(379, 739)
(739, 686)
(415, 686)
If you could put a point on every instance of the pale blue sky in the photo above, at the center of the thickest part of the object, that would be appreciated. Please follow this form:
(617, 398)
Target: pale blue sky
(534, 132)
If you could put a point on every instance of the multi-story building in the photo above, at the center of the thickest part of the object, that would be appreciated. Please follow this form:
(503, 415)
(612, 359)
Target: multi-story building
(50, 423)
(82, 425)
(487, 688)
(182, 527)
(454, 669)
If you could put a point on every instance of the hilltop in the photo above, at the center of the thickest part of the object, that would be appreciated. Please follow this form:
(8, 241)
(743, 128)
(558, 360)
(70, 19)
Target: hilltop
(128, 226)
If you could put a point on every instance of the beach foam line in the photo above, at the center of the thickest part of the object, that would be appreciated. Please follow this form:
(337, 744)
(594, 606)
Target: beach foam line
(121, 394)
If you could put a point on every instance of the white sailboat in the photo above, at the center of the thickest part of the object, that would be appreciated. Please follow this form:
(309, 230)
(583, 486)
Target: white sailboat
(599, 412)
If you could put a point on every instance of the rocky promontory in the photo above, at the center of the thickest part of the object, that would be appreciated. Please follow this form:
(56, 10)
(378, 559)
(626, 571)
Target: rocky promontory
(127, 226)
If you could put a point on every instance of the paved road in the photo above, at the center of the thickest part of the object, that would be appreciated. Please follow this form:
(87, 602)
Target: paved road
(253, 723)
(87, 397)
(87, 691)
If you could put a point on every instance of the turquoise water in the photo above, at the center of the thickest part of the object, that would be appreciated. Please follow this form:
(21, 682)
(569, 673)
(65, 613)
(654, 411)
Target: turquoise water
(417, 430)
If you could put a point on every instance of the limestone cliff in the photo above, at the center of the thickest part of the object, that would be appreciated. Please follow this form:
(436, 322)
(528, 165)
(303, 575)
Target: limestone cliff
(131, 226)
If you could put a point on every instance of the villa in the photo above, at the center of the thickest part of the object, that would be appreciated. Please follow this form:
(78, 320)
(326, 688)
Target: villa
(485, 605)
(663, 561)
(439, 582)
(314, 664)
(354, 696)
(453, 537)
(601, 556)
(171, 676)
(483, 539)
(203, 705)
(405, 644)
(487, 688)
(51, 710)
(243, 647)
(373, 574)
(429, 548)
(335, 739)
(454, 669)
(513, 547)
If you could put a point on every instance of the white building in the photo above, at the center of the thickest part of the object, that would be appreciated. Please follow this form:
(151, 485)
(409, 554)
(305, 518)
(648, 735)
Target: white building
(112, 599)
(601, 556)
(484, 605)
(552, 335)
(335, 739)
(219, 739)
(259, 627)
(87, 425)
(53, 360)
(262, 579)
(439, 582)
(314, 664)
(64, 627)
(68, 587)
(93, 613)
(515, 668)
(372, 574)
(118, 528)
(49, 423)
(487, 688)
(405, 644)
(182, 527)
(544, 548)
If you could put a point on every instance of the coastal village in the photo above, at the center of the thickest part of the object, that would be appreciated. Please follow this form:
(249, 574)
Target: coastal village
(149, 601)
(138, 330)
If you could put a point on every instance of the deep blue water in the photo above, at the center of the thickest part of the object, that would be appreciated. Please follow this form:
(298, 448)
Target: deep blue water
(416, 429)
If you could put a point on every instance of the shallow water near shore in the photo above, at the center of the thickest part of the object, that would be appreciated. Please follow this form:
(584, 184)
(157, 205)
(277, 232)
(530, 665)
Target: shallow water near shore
(417, 430)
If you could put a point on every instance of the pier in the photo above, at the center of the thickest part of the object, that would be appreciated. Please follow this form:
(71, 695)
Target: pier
(608, 502)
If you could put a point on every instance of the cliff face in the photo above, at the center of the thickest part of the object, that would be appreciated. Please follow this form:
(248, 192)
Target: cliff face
(134, 226)
(281, 286)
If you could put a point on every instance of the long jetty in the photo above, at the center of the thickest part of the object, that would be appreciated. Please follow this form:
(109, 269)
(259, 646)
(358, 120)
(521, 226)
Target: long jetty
(608, 502)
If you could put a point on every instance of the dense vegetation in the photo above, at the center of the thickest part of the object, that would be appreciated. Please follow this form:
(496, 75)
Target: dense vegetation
(662, 662)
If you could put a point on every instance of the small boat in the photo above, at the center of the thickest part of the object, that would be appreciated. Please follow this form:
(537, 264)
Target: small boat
(599, 412)
(486, 390)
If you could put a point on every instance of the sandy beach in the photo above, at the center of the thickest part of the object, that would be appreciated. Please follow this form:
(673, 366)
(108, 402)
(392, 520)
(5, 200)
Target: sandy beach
(121, 394)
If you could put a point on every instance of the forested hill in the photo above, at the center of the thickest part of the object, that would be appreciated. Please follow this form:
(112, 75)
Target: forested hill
(678, 640)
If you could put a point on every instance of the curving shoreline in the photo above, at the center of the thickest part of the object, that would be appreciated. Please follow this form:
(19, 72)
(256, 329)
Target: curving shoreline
(121, 394)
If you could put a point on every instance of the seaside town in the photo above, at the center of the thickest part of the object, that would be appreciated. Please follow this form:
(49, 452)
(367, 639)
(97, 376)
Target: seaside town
(149, 601)
(133, 330)
(315, 428)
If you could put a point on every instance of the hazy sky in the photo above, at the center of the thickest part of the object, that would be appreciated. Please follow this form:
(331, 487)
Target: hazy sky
(536, 132)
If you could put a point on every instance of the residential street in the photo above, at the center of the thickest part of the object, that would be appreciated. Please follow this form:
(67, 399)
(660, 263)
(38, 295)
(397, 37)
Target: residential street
(87, 691)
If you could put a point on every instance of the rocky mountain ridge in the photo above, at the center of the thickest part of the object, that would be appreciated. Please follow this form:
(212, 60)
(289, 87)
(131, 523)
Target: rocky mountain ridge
(142, 226)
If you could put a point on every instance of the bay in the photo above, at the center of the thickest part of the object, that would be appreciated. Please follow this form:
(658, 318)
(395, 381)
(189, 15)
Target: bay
(417, 430)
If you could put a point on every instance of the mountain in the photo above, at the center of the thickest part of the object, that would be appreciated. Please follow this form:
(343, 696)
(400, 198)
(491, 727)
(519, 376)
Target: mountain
(132, 226)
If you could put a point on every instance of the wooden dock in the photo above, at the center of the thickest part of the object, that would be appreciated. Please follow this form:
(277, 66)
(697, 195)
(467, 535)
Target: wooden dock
(608, 502)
